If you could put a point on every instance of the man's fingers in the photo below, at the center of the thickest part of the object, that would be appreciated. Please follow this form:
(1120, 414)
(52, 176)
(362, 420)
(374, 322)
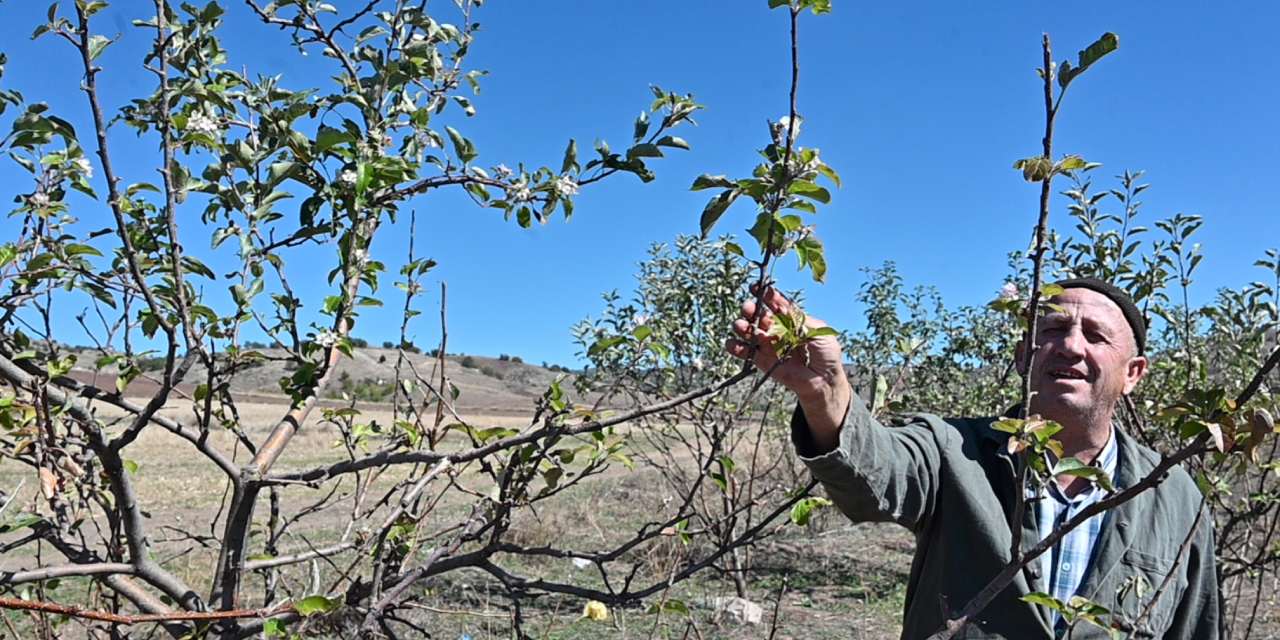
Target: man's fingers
(749, 314)
(737, 348)
(764, 359)
(773, 299)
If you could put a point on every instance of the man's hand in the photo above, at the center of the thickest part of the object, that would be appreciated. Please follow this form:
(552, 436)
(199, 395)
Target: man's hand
(814, 371)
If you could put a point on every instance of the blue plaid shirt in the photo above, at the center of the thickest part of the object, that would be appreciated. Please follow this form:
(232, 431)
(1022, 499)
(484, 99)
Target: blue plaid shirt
(1065, 565)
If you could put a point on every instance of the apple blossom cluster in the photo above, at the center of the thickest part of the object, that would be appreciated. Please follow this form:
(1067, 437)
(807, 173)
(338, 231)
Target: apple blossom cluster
(200, 123)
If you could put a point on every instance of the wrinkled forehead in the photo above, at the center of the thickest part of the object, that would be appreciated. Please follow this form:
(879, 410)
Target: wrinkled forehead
(1088, 307)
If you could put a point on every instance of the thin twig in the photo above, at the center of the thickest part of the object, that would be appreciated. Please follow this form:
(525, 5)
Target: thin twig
(76, 611)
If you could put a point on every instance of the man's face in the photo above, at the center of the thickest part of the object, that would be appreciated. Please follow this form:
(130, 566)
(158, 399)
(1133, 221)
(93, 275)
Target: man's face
(1087, 360)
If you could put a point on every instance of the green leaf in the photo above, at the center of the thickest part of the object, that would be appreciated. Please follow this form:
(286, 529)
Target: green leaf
(1071, 163)
(1106, 44)
(803, 205)
(672, 141)
(707, 181)
(774, 4)
(802, 510)
(818, 7)
(130, 466)
(274, 627)
(1074, 467)
(645, 150)
(812, 254)
(19, 521)
(642, 127)
(716, 208)
(1043, 599)
(660, 350)
(830, 174)
(328, 137)
(671, 606)
(1051, 290)
(277, 172)
(82, 249)
(604, 344)
(316, 604)
(371, 32)
(642, 332)
(570, 157)
(811, 191)
(818, 332)
(462, 147)
(97, 44)
(1008, 425)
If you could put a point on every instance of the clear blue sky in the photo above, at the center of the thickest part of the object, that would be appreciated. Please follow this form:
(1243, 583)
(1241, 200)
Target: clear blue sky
(921, 107)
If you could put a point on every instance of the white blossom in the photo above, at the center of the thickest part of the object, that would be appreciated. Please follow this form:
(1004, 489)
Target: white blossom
(1009, 291)
(697, 364)
(39, 200)
(326, 339)
(502, 171)
(639, 320)
(519, 193)
(84, 166)
(792, 127)
(360, 255)
(348, 177)
(200, 123)
(566, 186)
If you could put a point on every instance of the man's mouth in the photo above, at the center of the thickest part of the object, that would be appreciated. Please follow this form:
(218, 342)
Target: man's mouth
(1066, 374)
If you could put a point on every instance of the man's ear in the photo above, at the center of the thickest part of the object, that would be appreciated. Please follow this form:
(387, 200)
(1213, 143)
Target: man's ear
(1136, 369)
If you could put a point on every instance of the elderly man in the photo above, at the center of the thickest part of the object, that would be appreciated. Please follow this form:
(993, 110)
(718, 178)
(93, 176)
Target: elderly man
(955, 486)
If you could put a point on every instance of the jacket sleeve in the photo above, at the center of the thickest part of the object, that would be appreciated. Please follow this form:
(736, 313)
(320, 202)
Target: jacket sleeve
(877, 473)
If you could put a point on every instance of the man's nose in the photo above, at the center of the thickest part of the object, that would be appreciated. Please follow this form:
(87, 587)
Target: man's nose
(1073, 342)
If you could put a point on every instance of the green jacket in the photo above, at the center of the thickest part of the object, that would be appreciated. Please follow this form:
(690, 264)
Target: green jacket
(953, 484)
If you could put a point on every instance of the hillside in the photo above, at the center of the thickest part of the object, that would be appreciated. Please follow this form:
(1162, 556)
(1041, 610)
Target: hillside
(488, 385)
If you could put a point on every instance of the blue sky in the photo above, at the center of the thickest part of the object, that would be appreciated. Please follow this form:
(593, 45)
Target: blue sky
(921, 107)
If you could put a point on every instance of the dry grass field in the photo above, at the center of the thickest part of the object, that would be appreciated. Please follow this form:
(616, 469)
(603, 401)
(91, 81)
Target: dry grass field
(835, 580)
